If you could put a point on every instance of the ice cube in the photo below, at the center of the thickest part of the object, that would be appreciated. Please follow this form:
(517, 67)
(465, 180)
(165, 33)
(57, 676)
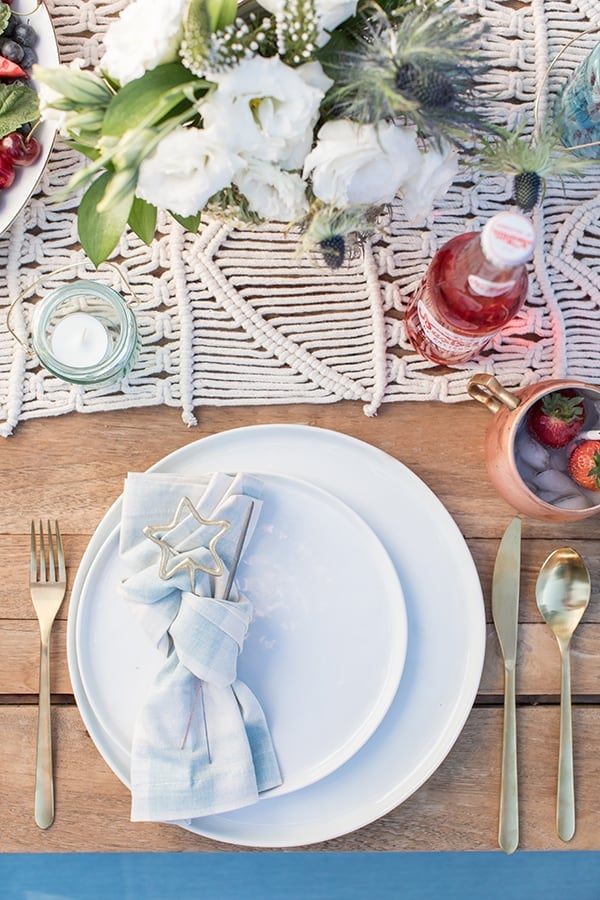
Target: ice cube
(574, 501)
(558, 460)
(529, 451)
(555, 482)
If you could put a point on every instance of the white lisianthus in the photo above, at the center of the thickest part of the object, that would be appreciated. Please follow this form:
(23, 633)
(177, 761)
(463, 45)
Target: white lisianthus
(268, 109)
(329, 14)
(354, 164)
(188, 166)
(143, 38)
(272, 194)
(435, 175)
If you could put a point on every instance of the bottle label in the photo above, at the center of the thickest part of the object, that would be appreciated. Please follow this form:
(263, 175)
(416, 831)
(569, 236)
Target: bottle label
(445, 340)
(486, 288)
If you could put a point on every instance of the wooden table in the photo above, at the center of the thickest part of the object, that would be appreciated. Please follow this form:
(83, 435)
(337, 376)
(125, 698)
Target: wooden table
(73, 466)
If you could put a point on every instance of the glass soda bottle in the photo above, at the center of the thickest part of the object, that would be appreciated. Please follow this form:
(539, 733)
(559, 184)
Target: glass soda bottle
(473, 287)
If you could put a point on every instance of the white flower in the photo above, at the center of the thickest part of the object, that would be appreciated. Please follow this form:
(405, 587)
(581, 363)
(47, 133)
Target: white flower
(268, 109)
(431, 181)
(186, 169)
(355, 164)
(271, 193)
(329, 14)
(143, 38)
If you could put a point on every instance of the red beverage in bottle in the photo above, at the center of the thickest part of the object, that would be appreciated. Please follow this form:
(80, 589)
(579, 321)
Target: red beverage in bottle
(474, 286)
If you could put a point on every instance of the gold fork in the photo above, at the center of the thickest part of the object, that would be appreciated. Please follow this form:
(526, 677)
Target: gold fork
(47, 584)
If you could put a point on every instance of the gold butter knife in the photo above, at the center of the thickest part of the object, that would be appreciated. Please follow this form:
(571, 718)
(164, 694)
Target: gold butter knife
(505, 612)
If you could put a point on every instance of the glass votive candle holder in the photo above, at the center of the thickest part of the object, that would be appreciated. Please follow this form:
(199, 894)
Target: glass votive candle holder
(85, 333)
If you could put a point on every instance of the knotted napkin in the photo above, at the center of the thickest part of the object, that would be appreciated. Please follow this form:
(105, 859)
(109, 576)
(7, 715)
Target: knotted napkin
(201, 744)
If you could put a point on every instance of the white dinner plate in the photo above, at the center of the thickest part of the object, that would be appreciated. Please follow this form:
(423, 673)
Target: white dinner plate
(14, 198)
(324, 652)
(445, 617)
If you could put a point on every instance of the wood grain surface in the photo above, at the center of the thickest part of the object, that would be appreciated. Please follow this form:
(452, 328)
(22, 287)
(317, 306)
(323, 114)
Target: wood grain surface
(72, 467)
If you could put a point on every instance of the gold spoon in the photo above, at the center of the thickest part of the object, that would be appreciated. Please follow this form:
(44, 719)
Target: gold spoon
(562, 594)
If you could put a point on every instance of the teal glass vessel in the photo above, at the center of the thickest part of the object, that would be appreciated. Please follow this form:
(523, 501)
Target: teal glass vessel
(85, 333)
(577, 107)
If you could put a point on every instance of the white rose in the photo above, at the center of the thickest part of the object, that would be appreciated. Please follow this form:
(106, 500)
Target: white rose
(188, 166)
(143, 38)
(361, 164)
(329, 14)
(268, 109)
(431, 181)
(274, 195)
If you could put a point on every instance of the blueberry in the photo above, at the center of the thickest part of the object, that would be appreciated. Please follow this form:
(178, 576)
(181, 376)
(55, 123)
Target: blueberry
(12, 24)
(24, 34)
(29, 57)
(11, 50)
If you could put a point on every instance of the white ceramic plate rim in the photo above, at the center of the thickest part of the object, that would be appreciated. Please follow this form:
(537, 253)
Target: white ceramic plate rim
(446, 631)
(108, 678)
(14, 199)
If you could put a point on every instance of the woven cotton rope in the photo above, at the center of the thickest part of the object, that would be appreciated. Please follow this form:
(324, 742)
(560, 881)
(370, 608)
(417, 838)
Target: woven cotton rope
(241, 317)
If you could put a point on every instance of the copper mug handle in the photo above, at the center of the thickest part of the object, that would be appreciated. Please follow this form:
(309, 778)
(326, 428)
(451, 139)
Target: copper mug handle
(490, 392)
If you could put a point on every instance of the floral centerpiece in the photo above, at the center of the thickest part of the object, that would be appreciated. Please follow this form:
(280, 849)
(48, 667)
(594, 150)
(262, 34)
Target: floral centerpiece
(313, 113)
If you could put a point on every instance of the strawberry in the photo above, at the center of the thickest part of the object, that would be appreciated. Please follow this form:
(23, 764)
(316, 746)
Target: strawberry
(584, 465)
(556, 418)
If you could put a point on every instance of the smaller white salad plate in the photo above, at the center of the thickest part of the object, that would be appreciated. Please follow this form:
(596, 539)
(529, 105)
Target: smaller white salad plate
(323, 654)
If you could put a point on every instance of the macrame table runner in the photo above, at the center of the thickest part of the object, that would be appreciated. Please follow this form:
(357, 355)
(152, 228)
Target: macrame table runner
(232, 317)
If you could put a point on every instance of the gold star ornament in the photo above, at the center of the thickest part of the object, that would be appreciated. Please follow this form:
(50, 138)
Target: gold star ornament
(158, 534)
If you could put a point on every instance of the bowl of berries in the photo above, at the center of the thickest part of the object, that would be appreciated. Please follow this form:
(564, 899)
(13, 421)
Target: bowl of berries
(26, 38)
(543, 446)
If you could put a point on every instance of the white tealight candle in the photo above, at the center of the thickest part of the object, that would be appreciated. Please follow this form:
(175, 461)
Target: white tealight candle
(79, 340)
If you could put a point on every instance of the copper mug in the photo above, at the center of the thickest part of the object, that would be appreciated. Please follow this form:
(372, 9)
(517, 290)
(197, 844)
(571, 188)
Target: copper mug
(510, 417)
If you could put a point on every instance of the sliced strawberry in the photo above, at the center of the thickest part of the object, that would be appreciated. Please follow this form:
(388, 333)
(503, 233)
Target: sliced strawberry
(584, 465)
(556, 418)
(9, 69)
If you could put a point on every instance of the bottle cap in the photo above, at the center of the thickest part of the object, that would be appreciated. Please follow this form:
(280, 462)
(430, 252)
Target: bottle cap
(508, 239)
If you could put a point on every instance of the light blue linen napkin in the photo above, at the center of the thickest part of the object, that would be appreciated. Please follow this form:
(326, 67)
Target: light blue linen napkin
(201, 743)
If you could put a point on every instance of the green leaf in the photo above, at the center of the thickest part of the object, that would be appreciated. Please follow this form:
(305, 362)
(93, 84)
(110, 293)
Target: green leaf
(190, 223)
(142, 220)
(222, 13)
(4, 16)
(18, 105)
(138, 100)
(77, 87)
(100, 232)
(87, 150)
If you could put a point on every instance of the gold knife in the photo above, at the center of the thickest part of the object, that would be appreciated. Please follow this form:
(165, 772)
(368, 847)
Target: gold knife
(505, 612)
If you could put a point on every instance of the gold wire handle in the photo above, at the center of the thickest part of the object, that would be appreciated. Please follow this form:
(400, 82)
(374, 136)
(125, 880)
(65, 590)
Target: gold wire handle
(28, 350)
(536, 106)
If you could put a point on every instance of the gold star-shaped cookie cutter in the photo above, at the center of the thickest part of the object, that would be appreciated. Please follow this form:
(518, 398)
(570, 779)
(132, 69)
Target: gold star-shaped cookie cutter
(167, 552)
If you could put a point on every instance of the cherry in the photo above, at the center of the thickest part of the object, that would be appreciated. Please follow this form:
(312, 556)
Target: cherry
(18, 150)
(7, 173)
